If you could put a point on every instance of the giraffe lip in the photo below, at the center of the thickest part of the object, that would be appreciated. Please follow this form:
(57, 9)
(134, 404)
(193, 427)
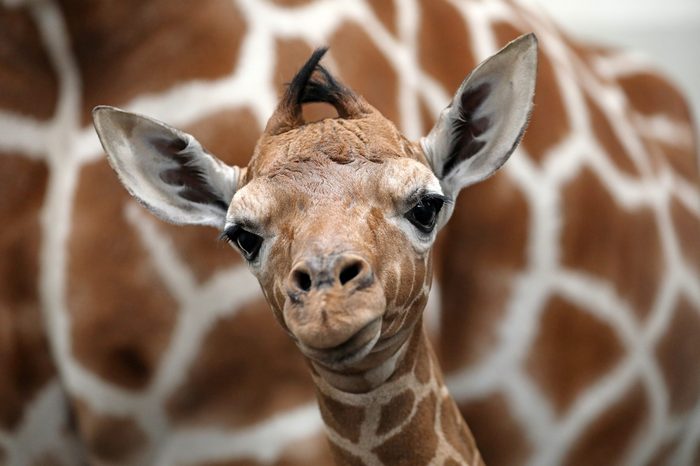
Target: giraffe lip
(349, 352)
(397, 338)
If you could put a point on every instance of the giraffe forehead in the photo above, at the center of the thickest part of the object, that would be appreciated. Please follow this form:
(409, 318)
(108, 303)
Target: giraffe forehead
(304, 185)
(402, 177)
(336, 140)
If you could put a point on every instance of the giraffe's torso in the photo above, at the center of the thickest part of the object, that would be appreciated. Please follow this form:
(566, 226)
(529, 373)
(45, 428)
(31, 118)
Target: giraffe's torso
(567, 311)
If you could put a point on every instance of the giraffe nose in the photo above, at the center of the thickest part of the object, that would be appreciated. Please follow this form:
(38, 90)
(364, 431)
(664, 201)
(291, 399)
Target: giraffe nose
(346, 271)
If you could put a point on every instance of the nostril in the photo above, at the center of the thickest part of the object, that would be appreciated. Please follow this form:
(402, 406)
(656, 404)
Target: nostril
(303, 280)
(349, 272)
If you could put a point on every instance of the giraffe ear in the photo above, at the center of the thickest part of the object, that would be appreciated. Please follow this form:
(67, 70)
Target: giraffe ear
(165, 169)
(486, 119)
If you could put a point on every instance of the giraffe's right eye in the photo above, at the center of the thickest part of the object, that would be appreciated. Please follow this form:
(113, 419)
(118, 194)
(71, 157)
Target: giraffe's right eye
(248, 243)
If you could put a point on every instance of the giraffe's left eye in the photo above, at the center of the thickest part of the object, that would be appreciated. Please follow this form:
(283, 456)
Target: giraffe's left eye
(247, 242)
(424, 214)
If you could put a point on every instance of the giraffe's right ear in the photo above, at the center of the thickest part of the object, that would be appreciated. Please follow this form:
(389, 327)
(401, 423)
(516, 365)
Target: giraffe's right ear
(165, 169)
(486, 119)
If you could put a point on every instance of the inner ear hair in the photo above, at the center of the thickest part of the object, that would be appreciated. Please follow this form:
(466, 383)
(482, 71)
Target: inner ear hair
(482, 126)
(165, 169)
(189, 176)
(467, 128)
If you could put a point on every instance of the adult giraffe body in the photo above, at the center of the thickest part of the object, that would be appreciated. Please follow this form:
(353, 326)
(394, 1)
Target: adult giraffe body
(337, 219)
(571, 341)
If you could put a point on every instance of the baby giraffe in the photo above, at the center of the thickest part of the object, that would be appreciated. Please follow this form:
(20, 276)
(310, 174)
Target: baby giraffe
(336, 219)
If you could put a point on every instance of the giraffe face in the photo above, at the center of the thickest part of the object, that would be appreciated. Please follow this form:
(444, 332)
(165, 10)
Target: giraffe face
(335, 218)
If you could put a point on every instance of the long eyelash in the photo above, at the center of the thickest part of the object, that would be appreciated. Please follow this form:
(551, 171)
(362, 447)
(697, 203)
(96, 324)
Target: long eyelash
(440, 197)
(227, 234)
(422, 193)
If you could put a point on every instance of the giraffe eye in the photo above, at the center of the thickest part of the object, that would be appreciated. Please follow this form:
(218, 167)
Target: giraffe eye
(248, 243)
(424, 214)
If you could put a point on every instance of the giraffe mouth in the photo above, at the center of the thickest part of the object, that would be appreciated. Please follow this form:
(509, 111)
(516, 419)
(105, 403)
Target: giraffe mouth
(349, 352)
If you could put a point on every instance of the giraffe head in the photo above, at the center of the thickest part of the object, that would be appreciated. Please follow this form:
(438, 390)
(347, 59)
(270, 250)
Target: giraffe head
(336, 218)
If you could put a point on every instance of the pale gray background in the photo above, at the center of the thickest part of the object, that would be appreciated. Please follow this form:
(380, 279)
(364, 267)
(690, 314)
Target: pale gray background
(668, 31)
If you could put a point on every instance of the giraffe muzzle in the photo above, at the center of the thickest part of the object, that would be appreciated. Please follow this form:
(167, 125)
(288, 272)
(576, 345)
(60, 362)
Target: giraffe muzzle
(334, 308)
(345, 272)
(349, 352)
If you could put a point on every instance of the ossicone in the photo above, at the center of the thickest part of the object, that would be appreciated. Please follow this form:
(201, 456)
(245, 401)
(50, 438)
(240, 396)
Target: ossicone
(314, 83)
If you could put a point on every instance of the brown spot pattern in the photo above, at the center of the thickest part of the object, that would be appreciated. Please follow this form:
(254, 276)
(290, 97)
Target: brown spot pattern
(25, 358)
(682, 160)
(27, 79)
(493, 426)
(345, 420)
(607, 438)
(166, 43)
(478, 258)
(673, 353)
(419, 433)
(292, 3)
(246, 370)
(652, 94)
(422, 369)
(678, 356)
(385, 11)
(549, 123)
(605, 241)
(453, 428)
(664, 454)
(109, 439)
(395, 411)
(604, 135)
(48, 459)
(442, 27)
(687, 228)
(355, 54)
(345, 458)
(572, 350)
(122, 314)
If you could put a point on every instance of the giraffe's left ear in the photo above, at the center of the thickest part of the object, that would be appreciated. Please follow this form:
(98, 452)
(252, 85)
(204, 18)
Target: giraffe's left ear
(486, 119)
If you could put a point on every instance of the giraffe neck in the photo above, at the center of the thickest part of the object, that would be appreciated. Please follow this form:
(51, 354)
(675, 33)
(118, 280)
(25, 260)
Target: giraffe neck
(408, 419)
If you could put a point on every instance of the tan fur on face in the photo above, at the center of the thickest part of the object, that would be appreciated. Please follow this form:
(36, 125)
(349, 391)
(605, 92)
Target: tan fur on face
(339, 186)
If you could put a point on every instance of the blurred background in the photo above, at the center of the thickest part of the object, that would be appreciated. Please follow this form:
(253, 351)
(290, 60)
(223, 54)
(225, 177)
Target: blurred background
(125, 303)
(666, 31)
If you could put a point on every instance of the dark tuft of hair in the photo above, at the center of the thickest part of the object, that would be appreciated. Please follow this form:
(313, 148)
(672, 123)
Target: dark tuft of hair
(314, 83)
(296, 89)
